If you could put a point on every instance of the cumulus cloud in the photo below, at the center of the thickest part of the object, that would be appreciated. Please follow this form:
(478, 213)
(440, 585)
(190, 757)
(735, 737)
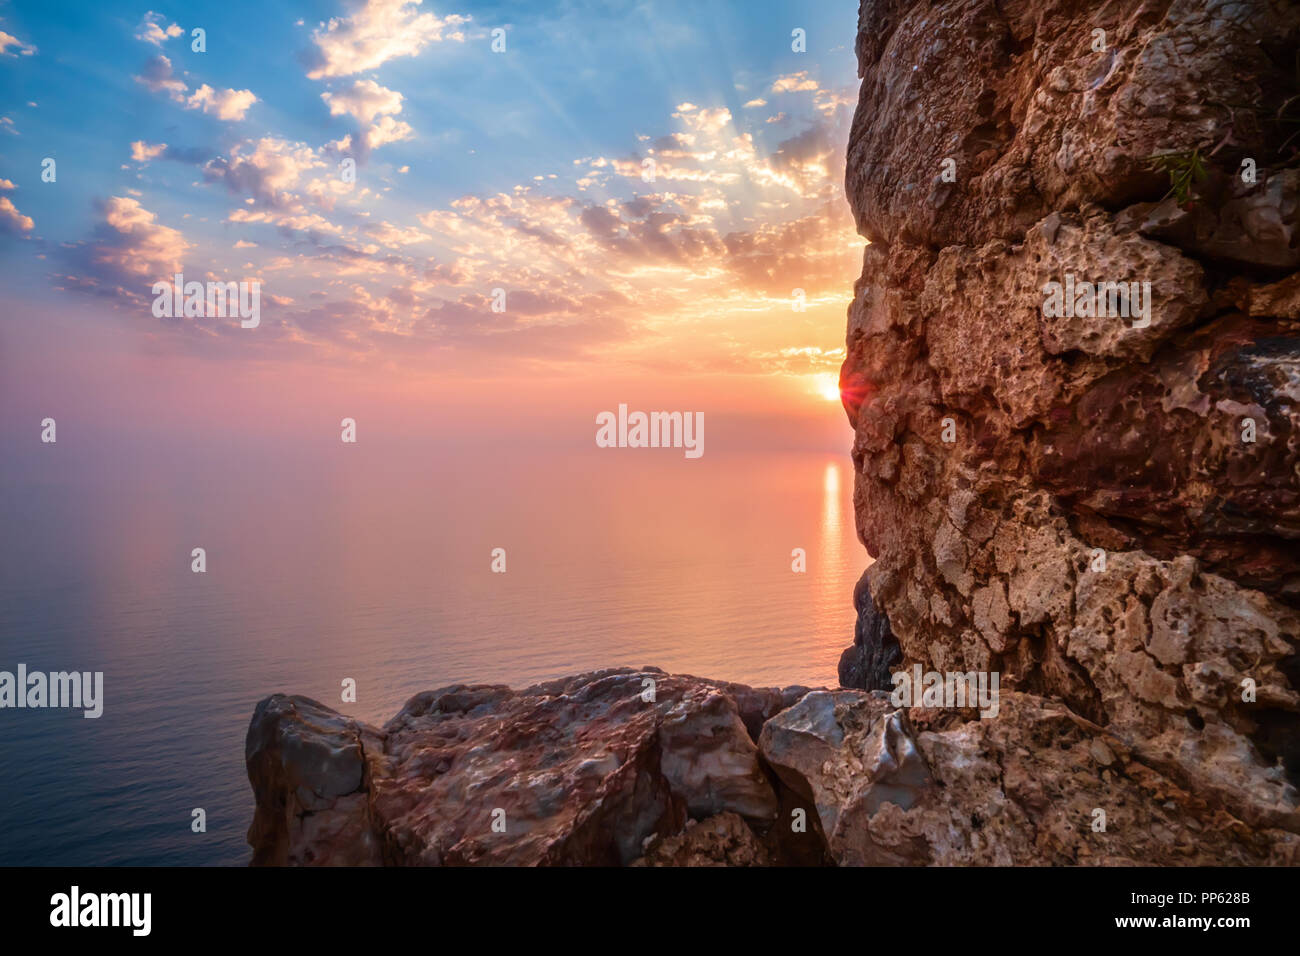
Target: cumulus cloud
(387, 130)
(794, 83)
(829, 101)
(826, 100)
(13, 222)
(311, 223)
(267, 170)
(391, 235)
(703, 120)
(810, 150)
(134, 244)
(151, 29)
(142, 152)
(10, 45)
(364, 100)
(158, 76)
(228, 105)
(379, 30)
(373, 107)
(129, 251)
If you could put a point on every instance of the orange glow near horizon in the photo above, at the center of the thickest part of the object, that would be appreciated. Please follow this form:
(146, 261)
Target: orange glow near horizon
(828, 387)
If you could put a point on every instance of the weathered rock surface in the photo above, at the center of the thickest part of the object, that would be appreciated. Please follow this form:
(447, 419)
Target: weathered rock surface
(1097, 530)
(1026, 788)
(311, 768)
(598, 769)
(722, 840)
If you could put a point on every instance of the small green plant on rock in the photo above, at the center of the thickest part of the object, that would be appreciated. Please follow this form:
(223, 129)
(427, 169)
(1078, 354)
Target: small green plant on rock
(1186, 169)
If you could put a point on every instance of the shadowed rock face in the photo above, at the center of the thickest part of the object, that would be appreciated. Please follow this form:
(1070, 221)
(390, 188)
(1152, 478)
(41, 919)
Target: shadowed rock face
(588, 770)
(1097, 531)
(871, 660)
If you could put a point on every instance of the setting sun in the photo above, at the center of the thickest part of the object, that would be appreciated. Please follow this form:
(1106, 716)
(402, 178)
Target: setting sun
(828, 387)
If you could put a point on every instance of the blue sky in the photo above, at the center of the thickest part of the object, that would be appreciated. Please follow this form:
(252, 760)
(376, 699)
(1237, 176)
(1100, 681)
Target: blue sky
(475, 169)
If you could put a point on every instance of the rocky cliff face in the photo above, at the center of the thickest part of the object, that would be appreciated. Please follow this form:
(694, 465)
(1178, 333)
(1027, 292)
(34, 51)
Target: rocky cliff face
(1104, 510)
(607, 769)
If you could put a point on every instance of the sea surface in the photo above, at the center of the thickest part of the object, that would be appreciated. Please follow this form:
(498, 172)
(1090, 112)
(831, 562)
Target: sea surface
(374, 567)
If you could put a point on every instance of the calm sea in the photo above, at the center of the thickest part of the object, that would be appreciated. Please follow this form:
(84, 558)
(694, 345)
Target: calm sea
(322, 567)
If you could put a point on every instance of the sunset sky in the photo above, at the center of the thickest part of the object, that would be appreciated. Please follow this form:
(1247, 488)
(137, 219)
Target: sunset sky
(475, 170)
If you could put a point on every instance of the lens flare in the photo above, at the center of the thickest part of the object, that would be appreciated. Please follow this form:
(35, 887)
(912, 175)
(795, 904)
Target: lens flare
(828, 387)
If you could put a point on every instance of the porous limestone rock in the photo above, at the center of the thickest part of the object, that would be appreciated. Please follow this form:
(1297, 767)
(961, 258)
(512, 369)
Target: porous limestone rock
(1038, 785)
(1101, 532)
(721, 840)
